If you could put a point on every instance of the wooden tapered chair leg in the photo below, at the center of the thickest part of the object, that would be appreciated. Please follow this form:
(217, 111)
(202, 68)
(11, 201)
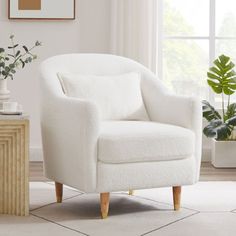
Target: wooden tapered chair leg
(59, 192)
(131, 192)
(176, 197)
(104, 202)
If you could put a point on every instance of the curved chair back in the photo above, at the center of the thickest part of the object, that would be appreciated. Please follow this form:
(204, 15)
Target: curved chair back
(88, 64)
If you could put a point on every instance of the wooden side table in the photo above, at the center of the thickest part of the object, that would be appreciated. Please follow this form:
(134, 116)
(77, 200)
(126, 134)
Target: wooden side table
(14, 165)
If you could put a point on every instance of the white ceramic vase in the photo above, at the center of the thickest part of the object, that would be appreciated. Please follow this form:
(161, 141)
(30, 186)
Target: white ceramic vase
(4, 92)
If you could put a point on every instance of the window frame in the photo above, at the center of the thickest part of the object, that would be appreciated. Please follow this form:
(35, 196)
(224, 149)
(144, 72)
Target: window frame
(211, 39)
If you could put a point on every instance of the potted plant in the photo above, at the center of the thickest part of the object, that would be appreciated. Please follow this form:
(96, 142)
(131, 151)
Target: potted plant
(221, 124)
(11, 59)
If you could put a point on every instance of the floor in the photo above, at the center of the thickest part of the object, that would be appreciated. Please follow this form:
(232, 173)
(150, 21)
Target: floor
(208, 208)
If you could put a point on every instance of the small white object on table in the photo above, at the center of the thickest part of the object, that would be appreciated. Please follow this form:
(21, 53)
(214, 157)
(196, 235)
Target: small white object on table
(11, 108)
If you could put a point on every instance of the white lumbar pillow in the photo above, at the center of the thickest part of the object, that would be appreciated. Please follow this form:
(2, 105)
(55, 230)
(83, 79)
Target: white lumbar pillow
(118, 97)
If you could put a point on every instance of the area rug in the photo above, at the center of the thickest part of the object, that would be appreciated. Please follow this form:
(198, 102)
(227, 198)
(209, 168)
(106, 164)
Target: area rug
(208, 208)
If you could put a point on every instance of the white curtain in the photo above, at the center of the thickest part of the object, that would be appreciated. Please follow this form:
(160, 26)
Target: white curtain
(134, 30)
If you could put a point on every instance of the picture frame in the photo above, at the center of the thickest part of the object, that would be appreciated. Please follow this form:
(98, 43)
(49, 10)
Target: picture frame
(41, 9)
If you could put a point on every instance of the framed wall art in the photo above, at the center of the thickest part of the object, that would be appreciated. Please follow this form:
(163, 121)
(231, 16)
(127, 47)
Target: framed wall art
(41, 9)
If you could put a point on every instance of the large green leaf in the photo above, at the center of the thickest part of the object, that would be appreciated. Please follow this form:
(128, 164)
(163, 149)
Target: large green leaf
(219, 65)
(222, 77)
(213, 76)
(232, 86)
(231, 111)
(217, 129)
(224, 59)
(229, 66)
(217, 87)
(216, 71)
(209, 112)
(228, 90)
(230, 74)
(231, 121)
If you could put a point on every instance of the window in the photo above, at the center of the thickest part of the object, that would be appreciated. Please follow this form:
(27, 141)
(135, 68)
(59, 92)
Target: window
(191, 34)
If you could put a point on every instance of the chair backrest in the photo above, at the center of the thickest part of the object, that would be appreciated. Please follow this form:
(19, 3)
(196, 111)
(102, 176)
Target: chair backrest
(96, 64)
(87, 64)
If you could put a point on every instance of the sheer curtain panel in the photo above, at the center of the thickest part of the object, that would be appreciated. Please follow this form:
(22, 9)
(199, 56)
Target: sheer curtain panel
(134, 29)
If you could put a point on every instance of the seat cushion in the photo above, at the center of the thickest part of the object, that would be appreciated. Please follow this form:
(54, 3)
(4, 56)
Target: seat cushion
(141, 141)
(118, 97)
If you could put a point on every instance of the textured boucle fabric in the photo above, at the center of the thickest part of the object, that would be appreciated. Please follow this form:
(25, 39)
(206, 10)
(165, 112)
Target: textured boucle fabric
(73, 131)
(117, 97)
(139, 141)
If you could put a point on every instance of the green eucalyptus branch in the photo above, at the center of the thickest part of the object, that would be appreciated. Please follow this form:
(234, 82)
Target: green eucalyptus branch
(13, 45)
(10, 62)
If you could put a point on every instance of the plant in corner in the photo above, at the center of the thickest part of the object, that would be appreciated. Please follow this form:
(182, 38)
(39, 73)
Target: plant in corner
(220, 127)
(11, 59)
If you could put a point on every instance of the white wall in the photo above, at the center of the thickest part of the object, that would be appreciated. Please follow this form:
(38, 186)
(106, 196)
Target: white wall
(88, 33)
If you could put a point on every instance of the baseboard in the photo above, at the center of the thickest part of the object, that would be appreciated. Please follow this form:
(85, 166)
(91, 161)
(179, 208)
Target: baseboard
(36, 154)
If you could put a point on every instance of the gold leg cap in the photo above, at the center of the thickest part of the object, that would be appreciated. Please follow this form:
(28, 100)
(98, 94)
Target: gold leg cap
(131, 192)
(176, 207)
(59, 199)
(104, 215)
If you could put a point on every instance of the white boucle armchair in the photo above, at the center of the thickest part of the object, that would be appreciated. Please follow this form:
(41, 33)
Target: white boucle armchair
(100, 156)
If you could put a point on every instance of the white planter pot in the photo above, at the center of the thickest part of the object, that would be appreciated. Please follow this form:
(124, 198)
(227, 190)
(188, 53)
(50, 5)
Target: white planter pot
(223, 154)
(4, 92)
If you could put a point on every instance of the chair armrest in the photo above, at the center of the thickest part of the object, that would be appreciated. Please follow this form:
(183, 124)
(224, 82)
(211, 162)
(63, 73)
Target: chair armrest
(164, 107)
(70, 130)
(177, 110)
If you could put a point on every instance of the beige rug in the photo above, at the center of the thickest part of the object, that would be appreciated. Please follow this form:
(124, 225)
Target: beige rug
(208, 208)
